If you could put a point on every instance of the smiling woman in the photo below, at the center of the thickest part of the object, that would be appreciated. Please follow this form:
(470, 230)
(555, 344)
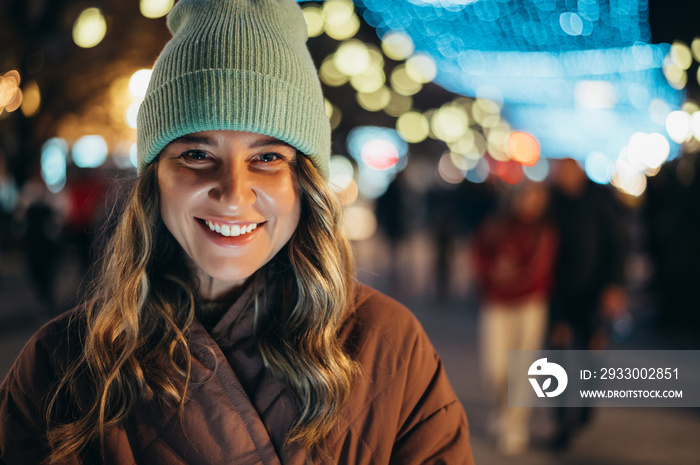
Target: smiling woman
(226, 325)
(230, 199)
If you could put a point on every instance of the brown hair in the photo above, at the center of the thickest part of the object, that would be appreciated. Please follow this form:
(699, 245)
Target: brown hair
(141, 305)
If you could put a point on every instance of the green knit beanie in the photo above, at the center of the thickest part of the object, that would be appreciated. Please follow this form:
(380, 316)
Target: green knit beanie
(240, 65)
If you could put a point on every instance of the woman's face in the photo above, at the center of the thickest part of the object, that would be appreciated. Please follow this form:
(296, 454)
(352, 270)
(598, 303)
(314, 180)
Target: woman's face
(231, 200)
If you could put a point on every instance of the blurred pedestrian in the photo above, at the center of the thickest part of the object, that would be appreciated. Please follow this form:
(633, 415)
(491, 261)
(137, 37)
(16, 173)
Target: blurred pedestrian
(40, 217)
(514, 254)
(589, 290)
(391, 218)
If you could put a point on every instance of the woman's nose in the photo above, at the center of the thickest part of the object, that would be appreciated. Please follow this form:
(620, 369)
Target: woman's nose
(235, 187)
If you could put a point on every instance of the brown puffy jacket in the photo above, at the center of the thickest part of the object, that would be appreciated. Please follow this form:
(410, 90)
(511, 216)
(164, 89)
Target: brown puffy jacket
(402, 410)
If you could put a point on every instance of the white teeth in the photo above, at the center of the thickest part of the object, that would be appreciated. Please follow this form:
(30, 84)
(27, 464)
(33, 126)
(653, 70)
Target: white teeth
(231, 230)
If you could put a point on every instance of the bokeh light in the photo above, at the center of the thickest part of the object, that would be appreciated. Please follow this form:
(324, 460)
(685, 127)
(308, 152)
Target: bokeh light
(450, 122)
(380, 154)
(352, 57)
(371, 80)
(32, 99)
(448, 171)
(599, 167)
(695, 48)
(479, 173)
(89, 151)
(628, 179)
(340, 21)
(497, 143)
(421, 68)
(90, 28)
(330, 74)
(509, 172)
(360, 222)
(398, 104)
(342, 173)
(53, 163)
(523, 148)
(138, 83)
(402, 83)
(155, 8)
(537, 172)
(374, 101)
(11, 95)
(314, 20)
(413, 127)
(695, 125)
(647, 150)
(678, 126)
(131, 114)
(679, 56)
(397, 45)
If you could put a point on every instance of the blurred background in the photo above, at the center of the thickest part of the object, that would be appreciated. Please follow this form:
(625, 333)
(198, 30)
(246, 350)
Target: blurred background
(520, 173)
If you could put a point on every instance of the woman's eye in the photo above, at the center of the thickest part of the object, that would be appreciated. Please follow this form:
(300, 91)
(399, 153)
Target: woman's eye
(268, 157)
(195, 155)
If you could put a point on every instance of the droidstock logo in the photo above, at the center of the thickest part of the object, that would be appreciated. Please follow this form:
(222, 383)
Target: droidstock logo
(542, 368)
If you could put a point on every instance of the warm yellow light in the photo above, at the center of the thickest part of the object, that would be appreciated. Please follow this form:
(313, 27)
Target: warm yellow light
(484, 110)
(13, 77)
(676, 77)
(131, 113)
(690, 107)
(370, 81)
(629, 179)
(497, 144)
(32, 99)
(397, 45)
(678, 126)
(330, 74)
(523, 148)
(314, 20)
(337, 12)
(352, 57)
(402, 83)
(413, 127)
(345, 30)
(450, 122)
(680, 55)
(90, 28)
(695, 48)
(336, 117)
(360, 222)
(138, 83)
(398, 104)
(156, 8)
(374, 101)
(421, 68)
(376, 57)
(465, 145)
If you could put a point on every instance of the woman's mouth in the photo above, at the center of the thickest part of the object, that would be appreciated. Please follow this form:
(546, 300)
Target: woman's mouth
(231, 230)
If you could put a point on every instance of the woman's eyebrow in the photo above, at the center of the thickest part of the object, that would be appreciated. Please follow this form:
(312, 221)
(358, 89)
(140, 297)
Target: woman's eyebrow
(192, 139)
(267, 142)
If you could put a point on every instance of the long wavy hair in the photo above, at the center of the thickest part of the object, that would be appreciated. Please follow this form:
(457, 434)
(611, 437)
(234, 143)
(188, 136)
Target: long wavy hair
(139, 308)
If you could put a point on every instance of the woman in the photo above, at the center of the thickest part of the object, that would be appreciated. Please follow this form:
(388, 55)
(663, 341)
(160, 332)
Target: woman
(226, 326)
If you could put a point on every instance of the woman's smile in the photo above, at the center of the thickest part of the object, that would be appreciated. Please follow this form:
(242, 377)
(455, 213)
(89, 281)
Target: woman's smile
(231, 201)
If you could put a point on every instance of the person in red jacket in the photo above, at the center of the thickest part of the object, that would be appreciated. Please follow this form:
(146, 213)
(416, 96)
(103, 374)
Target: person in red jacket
(514, 255)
